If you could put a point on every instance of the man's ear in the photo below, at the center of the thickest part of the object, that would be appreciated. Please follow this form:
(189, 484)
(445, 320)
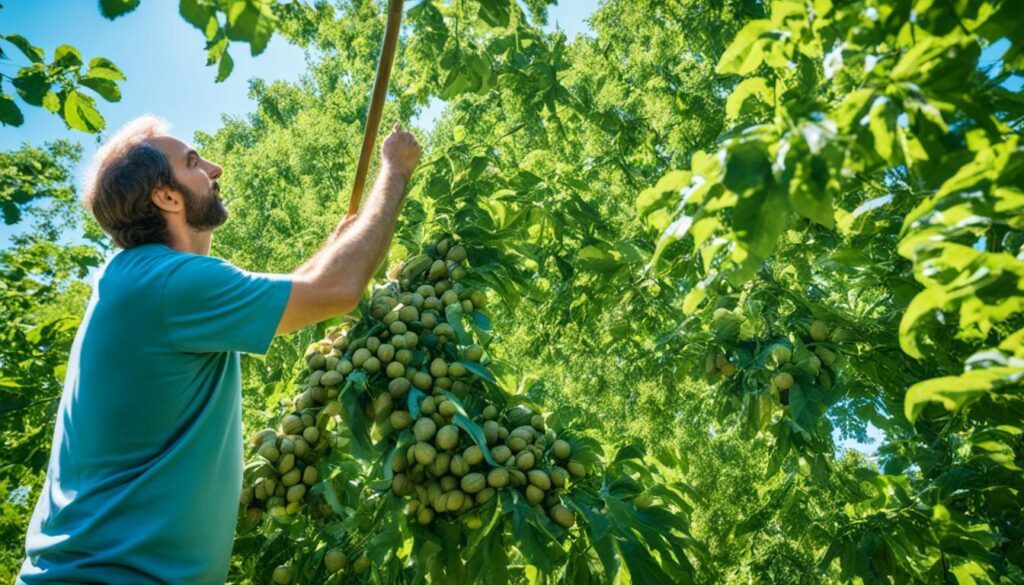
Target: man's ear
(167, 199)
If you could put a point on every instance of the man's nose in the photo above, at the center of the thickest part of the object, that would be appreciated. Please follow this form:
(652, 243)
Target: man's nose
(215, 171)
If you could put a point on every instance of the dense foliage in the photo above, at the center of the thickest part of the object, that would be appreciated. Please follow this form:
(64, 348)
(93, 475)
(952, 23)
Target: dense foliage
(727, 233)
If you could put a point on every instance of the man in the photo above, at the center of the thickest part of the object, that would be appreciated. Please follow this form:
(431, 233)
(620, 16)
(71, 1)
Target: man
(146, 467)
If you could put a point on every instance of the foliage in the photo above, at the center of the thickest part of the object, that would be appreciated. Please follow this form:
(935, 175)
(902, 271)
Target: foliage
(654, 231)
(42, 300)
(862, 131)
(57, 86)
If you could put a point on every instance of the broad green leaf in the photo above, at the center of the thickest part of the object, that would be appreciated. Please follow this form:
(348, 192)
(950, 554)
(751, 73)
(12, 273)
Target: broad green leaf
(227, 64)
(32, 84)
(746, 52)
(477, 434)
(112, 9)
(453, 315)
(67, 56)
(882, 123)
(252, 21)
(809, 193)
(101, 68)
(352, 413)
(955, 392)
(198, 13)
(10, 115)
(753, 88)
(495, 12)
(80, 113)
(478, 370)
(34, 54)
(107, 89)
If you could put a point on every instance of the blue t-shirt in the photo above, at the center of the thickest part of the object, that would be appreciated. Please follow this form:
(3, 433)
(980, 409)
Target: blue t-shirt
(146, 467)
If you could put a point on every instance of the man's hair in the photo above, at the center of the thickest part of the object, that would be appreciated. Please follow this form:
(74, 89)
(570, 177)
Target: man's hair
(120, 182)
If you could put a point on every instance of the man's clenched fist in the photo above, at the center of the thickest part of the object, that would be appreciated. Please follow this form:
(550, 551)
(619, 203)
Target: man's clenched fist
(400, 151)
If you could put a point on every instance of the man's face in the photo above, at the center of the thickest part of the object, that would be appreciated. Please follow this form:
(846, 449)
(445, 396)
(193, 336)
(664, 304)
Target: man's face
(196, 179)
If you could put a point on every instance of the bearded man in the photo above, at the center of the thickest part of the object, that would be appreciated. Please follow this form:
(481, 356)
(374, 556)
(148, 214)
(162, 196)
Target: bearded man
(146, 467)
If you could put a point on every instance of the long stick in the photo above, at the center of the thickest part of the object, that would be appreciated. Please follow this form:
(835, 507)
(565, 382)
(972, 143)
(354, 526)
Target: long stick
(380, 92)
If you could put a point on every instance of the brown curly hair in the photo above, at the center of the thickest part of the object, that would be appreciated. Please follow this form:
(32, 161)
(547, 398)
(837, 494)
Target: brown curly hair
(121, 180)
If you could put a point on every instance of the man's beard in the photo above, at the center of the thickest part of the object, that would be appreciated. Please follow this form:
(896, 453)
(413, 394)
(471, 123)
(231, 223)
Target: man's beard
(202, 213)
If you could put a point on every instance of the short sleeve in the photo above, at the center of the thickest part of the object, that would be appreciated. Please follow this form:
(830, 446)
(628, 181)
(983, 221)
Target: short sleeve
(209, 305)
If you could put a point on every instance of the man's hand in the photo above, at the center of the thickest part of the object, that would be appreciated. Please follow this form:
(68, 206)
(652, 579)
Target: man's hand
(400, 152)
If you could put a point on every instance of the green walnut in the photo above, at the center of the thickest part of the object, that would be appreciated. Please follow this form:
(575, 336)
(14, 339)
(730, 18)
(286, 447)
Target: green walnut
(425, 453)
(448, 437)
(283, 575)
(316, 361)
(456, 499)
(458, 467)
(311, 435)
(534, 495)
(269, 452)
(473, 455)
(422, 380)
(296, 492)
(473, 482)
(539, 478)
(563, 516)
(424, 429)
(447, 408)
(498, 478)
(783, 380)
(456, 254)
(819, 331)
(400, 419)
(310, 475)
(525, 460)
(335, 560)
(485, 495)
(561, 449)
(501, 454)
(438, 368)
(395, 370)
(331, 378)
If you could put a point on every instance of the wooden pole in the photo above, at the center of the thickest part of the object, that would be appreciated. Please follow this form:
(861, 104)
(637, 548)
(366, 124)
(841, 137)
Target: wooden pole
(380, 92)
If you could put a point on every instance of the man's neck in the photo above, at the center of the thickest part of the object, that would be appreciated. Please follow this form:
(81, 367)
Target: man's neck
(191, 241)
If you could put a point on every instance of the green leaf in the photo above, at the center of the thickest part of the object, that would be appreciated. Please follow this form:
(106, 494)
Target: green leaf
(495, 12)
(102, 68)
(34, 54)
(252, 21)
(198, 14)
(453, 315)
(67, 56)
(478, 370)
(352, 414)
(754, 88)
(10, 115)
(32, 84)
(746, 52)
(112, 9)
(809, 193)
(413, 401)
(882, 123)
(80, 113)
(477, 434)
(107, 89)
(955, 392)
(227, 64)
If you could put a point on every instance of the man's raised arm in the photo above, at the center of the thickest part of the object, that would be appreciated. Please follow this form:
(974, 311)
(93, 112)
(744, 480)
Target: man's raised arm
(333, 280)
